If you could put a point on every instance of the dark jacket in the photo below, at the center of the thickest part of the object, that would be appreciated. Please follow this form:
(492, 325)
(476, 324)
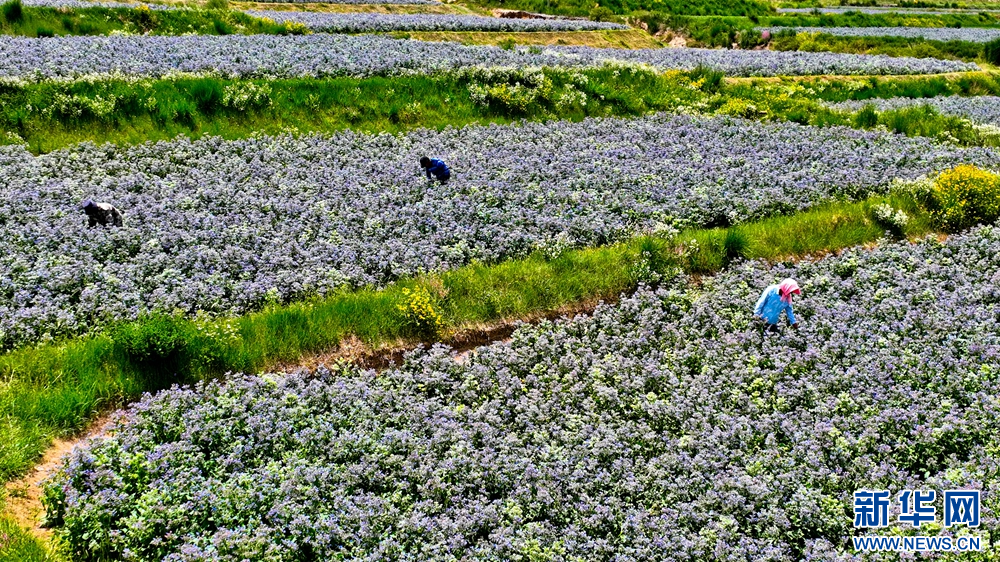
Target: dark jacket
(439, 169)
(102, 214)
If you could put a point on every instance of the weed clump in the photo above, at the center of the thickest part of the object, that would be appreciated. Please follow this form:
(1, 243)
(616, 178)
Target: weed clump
(155, 345)
(419, 313)
(991, 52)
(13, 11)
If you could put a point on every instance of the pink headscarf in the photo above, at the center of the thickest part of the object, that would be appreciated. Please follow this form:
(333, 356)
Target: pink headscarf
(787, 288)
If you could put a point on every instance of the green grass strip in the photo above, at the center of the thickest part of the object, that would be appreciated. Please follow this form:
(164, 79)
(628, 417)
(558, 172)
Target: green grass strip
(51, 115)
(41, 21)
(19, 545)
(57, 388)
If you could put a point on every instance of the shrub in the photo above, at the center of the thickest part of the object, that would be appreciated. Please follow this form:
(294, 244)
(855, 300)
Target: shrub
(45, 32)
(13, 11)
(653, 264)
(208, 95)
(991, 51)
(157, 337)
(866, 118)
(247, 95)
(601, 13)
(710, 80)
(221, 27)
(965, 196)
(217, 5)
(144, 18)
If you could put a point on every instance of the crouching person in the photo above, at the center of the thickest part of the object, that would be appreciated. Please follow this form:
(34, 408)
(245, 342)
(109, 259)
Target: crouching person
(103, 214)
(775, 300)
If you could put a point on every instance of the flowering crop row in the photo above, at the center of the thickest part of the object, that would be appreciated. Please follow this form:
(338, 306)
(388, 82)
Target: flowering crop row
(362, 55)
(155, 6)
(664, 428)
(225, 226)
(883, 10)
(75, 4)
(984, 110)
(371, 22)
(973, 34)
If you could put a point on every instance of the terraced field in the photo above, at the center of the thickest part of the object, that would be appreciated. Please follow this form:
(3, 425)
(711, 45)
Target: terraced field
(311, 349)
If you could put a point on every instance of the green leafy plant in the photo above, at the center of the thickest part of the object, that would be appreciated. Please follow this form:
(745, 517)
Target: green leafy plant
(601, 13)
(208, 95)
(154, 345)
(710, 81)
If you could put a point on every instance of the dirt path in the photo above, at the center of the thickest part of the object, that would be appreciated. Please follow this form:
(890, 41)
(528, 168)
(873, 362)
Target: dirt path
(24, 496)
(460, 340)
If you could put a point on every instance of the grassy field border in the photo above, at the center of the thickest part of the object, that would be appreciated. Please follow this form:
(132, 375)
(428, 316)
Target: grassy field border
(48, 115)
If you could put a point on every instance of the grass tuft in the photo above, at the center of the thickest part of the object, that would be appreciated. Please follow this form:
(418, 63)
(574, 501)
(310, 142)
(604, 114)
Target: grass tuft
(13, 11)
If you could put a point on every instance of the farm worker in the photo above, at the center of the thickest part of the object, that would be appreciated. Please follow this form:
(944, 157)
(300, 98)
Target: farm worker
(101, 213)
(775, 300)
(436, 167)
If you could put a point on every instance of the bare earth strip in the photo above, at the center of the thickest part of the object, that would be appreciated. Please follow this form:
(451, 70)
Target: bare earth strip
(24, 496)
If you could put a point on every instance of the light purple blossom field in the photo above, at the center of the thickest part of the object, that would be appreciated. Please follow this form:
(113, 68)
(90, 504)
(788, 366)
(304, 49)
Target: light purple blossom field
(884, 10)
(983, 110)
(380, 23)
(223, 227)
(663, 428)
(320, 54)
(973, 34)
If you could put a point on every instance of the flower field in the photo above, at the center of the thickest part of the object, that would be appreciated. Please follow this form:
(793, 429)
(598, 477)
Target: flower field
(378, 23)
(225, 227)
(426, 2)
(76, 4)
(664, 428)
(271, 312)
(882, 10)
(364, 55)
(984, 110)
(972, 34)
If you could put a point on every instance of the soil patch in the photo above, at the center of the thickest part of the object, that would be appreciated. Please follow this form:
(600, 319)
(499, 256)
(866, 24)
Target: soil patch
(24, 496)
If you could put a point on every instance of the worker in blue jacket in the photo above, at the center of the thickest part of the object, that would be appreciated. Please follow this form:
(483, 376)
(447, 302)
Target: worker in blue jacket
(436, 167)
(775, 300)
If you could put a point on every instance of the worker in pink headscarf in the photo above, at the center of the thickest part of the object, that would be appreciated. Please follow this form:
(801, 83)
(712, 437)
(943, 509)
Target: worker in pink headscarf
(775, 300)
